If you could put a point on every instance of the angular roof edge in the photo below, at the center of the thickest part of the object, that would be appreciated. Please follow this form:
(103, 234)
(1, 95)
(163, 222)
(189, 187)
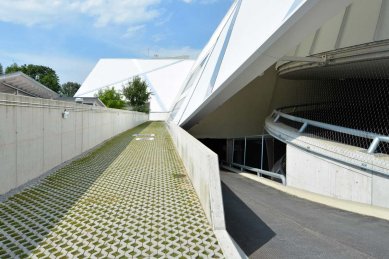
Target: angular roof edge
(26, 84)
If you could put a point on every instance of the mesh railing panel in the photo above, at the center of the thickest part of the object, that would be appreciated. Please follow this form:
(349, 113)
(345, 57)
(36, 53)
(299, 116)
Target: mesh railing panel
(360, 103)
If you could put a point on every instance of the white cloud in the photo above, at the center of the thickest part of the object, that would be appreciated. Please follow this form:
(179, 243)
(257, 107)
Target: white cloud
(104, 12)
(132, 31)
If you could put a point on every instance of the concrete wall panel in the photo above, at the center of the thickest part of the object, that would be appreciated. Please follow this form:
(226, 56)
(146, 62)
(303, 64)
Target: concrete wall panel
(78, 129)
(29, 141)
(380, 191)
(52, 137)
(68, 135)
(8, 144)
(316, 174)
(202, 167)
(34, 137)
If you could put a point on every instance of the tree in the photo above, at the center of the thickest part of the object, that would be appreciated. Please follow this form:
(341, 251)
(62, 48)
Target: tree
(137, 94)
(44, 75)
(1, 70)
(12, 68)
(111, 98)
(69, 89)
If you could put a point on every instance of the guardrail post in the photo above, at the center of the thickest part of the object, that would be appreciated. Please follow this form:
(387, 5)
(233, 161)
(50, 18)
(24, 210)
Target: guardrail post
(373, 146)
(277, 117)
(233, 150)
(244, 152)
(262, 153)
(304, 127)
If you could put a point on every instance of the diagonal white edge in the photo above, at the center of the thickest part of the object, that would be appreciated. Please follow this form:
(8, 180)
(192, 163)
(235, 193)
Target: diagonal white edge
(150, 84)
(308, 17)
(139, 73)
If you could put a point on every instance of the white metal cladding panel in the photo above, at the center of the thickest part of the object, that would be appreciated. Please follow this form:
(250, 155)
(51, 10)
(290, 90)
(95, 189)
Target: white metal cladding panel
(105, 73)
(192, 79)
(365, 21)
(203, 85)
(166, 84)
(328, 34)
(215, 36)
(383, 29)
(197, 94)
(255, 23)
(185, 96)
(305, 47)
(360, 23)
(147, 65)
(195, 73)
(165, 78)
(241, 64)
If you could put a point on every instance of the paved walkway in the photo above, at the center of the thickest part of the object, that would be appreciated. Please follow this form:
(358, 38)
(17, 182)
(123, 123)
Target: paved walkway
(129, 198)
(267, 223)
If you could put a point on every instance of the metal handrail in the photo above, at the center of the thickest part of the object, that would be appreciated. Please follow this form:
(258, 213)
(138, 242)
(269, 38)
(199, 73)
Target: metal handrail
(259, 172)
(376, 138)
(305, 105)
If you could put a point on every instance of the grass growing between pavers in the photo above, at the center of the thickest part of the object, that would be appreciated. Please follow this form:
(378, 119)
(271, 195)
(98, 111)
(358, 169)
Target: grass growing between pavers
(128, 198)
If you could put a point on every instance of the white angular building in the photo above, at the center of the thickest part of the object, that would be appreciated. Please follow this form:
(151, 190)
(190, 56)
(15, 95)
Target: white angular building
(296, 88)
(299, 88)
(164, 77)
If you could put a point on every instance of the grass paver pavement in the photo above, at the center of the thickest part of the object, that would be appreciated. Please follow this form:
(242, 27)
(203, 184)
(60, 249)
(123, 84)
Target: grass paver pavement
(129, 198)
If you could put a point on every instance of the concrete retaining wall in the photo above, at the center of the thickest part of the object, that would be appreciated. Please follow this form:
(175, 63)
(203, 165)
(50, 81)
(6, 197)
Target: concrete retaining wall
(202, 167)
(34, 136)
(317, 174)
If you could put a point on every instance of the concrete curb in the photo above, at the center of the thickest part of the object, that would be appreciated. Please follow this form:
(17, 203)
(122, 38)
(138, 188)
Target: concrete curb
(355, 207)
(202, 167)
(229, 246)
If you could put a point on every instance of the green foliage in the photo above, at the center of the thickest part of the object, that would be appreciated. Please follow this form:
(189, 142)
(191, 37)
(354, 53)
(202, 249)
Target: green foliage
(137, 94)
(12, 68)
(44, 75)
(1, 70)
(111, 98)
(69, 89)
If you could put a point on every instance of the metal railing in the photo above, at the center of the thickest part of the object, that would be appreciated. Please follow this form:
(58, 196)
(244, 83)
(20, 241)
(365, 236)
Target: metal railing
(376, 138)
(252, 137)
(258, 171)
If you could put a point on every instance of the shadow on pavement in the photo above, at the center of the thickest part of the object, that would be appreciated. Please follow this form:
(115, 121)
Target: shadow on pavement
(245, 227)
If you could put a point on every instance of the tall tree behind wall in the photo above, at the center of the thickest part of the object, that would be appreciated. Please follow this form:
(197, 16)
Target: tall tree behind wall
(44, 75)
(69, 89)
(137, 94)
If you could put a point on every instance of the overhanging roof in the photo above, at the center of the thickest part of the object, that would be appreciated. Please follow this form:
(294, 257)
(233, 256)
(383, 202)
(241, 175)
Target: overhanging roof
(23, 83)
(253, 38)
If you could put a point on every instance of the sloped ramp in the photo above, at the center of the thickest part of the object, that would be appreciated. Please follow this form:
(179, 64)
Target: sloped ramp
(129, 198)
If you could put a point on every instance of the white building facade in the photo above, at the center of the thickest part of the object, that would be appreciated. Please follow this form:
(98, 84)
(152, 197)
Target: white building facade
(163, 76)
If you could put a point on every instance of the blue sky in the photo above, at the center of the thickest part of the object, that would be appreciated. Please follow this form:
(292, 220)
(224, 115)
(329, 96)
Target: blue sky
(72, 35)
